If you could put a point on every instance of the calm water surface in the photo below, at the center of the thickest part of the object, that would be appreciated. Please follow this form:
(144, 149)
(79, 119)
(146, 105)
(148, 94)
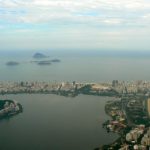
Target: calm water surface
(75, 67)
(51, 122)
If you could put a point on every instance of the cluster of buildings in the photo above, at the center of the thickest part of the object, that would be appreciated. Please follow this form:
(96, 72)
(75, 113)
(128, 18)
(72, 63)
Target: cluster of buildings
(137, 139)
(135, 134)
(114, 87)
(146, 138)
(37, 87)
(133, 147)
(123, 87)
(131, 119)
(63, 88)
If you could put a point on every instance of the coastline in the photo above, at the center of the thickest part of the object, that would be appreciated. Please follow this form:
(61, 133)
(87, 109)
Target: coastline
(132, 96)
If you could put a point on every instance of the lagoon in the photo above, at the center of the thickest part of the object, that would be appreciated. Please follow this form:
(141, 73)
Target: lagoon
(52, 122)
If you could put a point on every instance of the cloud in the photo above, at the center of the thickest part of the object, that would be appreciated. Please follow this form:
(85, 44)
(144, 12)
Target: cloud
(112, 12)
(75, 23)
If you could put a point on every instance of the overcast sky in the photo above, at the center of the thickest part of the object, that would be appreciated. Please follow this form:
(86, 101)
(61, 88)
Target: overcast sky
(75, 24)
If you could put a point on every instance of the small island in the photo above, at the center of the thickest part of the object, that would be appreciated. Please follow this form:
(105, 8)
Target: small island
(55, 60)
(39, 55)
(46, 62)
(12, 63)
(9, 108)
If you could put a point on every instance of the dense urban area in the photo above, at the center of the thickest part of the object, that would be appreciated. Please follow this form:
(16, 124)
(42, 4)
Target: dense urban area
(129, 113)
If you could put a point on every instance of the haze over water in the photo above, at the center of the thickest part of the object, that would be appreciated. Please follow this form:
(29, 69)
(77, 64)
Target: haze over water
(80, 66)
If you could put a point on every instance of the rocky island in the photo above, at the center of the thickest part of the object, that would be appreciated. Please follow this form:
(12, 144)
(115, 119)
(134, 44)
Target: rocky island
(47, 62)
(12, 63)
(44, 62)
(9, 108)
(39, 56)
(55, 60)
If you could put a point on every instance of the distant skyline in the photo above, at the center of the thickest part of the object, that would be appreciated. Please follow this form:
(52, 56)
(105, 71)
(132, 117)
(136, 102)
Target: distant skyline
(75, 24)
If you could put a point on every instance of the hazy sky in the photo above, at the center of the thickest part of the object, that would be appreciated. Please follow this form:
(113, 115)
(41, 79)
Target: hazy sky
(71, 24)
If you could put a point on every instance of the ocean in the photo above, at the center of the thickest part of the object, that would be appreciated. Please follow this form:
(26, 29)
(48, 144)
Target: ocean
(77, 66)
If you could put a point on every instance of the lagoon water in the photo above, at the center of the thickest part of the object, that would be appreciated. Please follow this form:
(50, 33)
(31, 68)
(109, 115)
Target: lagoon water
(51, 122)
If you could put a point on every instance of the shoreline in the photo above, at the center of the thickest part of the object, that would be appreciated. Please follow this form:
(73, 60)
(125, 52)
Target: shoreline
(115, 88)
(133, 130)
(131, 100)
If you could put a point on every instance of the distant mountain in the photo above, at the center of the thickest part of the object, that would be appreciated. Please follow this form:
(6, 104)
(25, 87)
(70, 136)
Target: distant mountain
(39, 55)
